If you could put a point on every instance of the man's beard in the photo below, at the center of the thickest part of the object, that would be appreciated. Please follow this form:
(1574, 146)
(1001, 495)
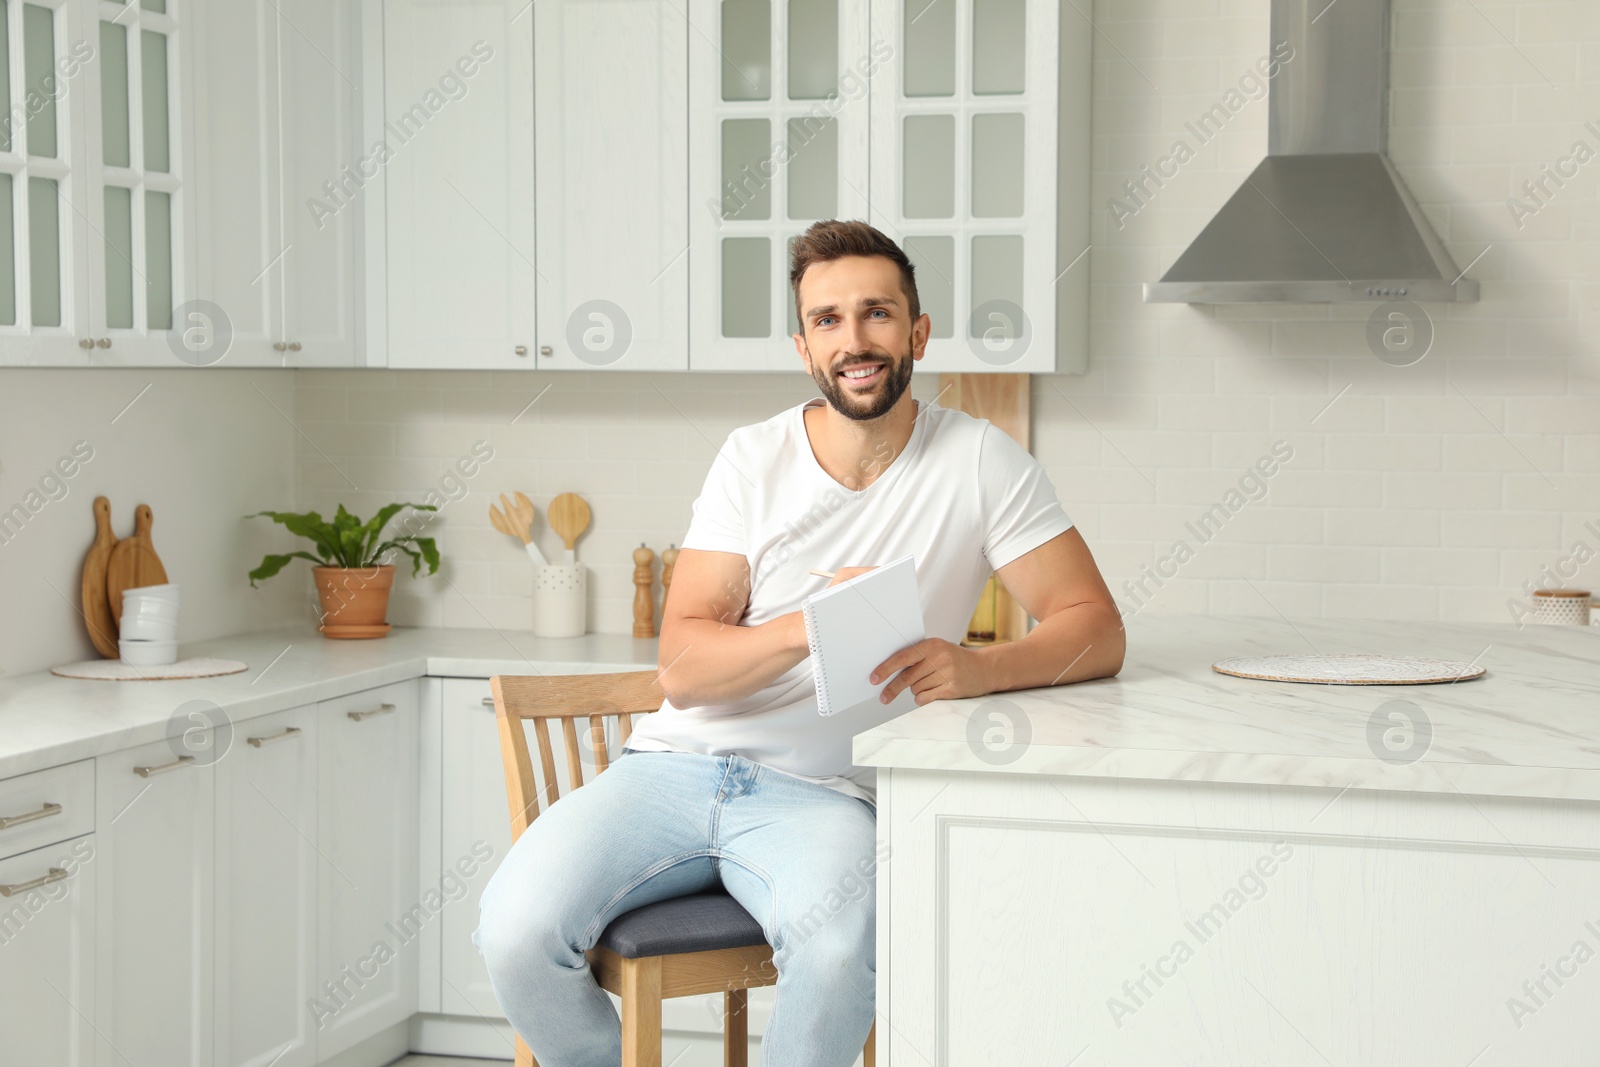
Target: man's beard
(897, 376)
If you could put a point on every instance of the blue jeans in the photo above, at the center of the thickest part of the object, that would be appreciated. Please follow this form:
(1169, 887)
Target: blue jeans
(800, 857)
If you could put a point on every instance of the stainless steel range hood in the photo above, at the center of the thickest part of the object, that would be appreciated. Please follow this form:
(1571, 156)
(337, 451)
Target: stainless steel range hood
(1325, 217)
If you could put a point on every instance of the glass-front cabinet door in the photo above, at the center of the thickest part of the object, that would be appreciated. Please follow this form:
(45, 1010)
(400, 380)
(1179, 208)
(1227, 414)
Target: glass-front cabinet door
(964, 128)
(44, 316)
(136, 193)
(91, 182)
(778, 130)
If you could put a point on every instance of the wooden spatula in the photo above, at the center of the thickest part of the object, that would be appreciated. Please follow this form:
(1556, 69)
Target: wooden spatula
(134, 562)
(96, 609)
(568, 516)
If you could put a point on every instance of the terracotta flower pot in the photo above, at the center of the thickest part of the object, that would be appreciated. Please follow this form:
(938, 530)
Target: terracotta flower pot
(355, 600)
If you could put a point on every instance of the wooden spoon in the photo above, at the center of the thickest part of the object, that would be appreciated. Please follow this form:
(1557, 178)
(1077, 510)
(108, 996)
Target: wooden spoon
(568, 516)
(96, 609)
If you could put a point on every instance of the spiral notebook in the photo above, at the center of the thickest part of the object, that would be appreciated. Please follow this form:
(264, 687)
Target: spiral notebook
(856, 625)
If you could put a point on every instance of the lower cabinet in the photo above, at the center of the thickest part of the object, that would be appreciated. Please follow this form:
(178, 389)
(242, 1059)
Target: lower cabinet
(370, 914)
(268, 868)
(47, 967)
(475, 829)
(154, 814)
(475, 834)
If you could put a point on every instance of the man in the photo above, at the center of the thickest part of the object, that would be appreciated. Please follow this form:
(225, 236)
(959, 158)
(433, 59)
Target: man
(737, 779)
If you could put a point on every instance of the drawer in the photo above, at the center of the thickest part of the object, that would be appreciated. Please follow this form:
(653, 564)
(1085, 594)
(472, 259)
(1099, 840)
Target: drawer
(46, 807)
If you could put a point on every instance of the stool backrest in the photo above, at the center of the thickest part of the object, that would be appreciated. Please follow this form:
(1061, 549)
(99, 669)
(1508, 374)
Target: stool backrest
(593, 698)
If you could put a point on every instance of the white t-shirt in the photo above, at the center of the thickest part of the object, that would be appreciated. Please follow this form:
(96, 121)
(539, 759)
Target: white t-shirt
(962, 497)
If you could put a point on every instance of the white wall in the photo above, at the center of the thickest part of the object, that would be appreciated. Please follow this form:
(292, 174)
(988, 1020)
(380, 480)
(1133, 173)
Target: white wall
(635, 446)
(201, 447)
(1430, 491)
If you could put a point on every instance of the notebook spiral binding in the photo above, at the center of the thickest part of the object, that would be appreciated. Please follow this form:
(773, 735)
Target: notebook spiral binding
(818, 671)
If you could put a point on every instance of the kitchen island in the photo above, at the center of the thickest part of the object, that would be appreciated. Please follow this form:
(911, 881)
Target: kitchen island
(1177, 866)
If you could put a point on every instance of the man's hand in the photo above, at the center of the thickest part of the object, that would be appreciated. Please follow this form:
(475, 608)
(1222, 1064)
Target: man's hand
(934, 669)
(844, 574)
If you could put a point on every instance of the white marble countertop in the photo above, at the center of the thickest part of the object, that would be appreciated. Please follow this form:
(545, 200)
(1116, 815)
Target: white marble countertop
(46, 721)
(1529, 728)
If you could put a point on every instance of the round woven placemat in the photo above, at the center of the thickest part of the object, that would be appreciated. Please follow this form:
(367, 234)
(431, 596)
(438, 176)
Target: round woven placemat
(1357, 668)
(112, 670)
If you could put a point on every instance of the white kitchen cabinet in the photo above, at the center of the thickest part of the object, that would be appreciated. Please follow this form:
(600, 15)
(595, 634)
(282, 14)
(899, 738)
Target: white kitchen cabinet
(266, 893)
(139, 188)
(94, 182)
(285, 177)
(44, 297)
(367, 896)
(47, 941)
(611, 126)
(324, 168)
(155, 847)
(964, 172)
(475, 835)
(458, 93)
(779, 139)
(473, 810)
(475, 828)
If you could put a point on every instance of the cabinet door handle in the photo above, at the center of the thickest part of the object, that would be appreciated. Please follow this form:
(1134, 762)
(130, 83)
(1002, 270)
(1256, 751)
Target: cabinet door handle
(546, 350)
(49, 809)
(294, 346)
(488, 702)
(288, 732)
(381, 709)
(279, 346)
(150, 772)
(521, 350)
(85, 342)
(57, 874)
(104, 342)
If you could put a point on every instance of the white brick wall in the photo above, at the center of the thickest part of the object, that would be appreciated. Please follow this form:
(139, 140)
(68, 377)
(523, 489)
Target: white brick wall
(1430, 491)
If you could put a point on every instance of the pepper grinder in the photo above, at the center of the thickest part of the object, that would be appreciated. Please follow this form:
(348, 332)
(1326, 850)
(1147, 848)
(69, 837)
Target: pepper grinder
(669, 559)
(644, 609)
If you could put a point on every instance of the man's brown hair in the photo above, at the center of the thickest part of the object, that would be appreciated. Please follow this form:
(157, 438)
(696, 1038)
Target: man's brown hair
(833, 239)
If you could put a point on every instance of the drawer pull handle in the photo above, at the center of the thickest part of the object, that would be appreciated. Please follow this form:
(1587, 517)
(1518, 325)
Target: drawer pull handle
(381, 709)
(150, 772)
(57, 874)
(7, 822)
(288, 732)
(488, 702)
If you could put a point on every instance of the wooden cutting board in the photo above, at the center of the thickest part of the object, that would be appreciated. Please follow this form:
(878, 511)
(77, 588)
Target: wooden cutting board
(96, 609)
(134, 562)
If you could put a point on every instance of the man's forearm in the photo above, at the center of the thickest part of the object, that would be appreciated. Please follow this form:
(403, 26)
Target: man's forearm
(704, 661)
(1083, 641)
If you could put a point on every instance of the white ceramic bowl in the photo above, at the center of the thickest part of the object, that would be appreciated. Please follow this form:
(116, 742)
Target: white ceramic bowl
(150, 607)
(168, 591)
(148, 628)
(148, 653)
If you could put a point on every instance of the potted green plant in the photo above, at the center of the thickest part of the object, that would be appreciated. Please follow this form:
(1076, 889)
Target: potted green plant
(352, 565)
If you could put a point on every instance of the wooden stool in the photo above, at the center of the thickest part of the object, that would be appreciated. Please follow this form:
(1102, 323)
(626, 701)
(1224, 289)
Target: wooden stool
(688, 946)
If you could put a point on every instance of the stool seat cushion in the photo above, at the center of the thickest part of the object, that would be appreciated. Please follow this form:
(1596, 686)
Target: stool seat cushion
(699, 922)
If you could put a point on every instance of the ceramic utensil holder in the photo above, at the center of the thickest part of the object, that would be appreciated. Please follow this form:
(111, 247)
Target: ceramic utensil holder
(560, 600)
(1561, 607)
